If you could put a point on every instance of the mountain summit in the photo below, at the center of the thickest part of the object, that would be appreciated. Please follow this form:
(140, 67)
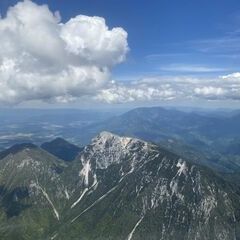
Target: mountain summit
(116, 188)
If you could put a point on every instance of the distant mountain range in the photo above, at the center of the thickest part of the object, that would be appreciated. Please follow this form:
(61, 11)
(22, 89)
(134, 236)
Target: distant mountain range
(115, 188)
(209, 137)
(213, 137)
(156, 124)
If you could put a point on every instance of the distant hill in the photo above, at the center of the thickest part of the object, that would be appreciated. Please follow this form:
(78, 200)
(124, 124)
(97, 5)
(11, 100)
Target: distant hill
(62, 149)
(16, 148)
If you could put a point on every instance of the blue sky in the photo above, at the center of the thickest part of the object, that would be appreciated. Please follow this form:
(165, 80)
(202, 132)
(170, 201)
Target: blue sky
(197, 39)
(164, 34)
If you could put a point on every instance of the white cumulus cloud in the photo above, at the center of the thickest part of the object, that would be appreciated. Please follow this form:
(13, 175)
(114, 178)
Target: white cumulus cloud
(232, 77)
(174, 88)
(209, 91)
(42, 58)
(136, 92)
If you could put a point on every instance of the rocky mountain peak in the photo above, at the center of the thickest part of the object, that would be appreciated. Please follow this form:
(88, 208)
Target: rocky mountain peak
(113, 149)
(138, 185)
(107, 139)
